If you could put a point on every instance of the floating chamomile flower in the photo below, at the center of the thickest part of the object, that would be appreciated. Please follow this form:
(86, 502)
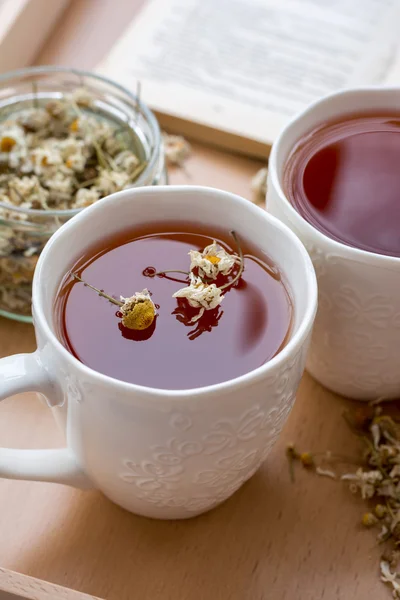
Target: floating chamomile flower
(210, 263)
(138, 311)
(213, 261)
(200, 295)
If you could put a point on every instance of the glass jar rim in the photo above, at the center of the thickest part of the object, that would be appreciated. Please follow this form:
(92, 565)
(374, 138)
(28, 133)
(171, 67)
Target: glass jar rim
(147, 113)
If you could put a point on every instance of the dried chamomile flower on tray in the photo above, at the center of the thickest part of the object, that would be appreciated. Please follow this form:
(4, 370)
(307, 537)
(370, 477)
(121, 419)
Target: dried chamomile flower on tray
(374, 476)
(259, 186)
(56, 155)
(177, 149)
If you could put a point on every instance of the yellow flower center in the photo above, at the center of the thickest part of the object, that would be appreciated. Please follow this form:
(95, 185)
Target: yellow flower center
(140, 317)
(200, 284)
(213, 259)
(7, 143)
(74, 125)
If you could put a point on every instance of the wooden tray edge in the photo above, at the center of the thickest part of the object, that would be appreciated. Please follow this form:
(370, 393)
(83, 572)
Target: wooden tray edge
(30, 588)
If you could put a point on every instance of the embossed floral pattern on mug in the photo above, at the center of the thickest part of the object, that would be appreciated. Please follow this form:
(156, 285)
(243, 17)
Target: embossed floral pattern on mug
(356, 327)
(234, 447)
(376, 309)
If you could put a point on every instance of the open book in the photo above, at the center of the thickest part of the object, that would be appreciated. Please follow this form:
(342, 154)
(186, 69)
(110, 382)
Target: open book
(232, 72)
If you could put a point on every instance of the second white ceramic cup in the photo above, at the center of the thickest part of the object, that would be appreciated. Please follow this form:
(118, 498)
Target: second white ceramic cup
(356, 339)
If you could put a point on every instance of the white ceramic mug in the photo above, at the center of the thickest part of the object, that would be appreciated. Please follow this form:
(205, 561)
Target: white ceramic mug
(356, 340)
(159, 453)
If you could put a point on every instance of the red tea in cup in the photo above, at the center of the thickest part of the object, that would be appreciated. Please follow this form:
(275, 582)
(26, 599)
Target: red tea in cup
(344, 179)
(178, 350)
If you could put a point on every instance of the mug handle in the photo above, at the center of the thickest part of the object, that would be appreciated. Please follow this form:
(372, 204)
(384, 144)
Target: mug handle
(25, 373)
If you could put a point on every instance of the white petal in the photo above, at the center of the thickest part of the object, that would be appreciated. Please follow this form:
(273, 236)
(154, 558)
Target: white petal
(137, 297)
(325, 473)
(197, 317)
(376, 434)
(386, 575)
(200, 295)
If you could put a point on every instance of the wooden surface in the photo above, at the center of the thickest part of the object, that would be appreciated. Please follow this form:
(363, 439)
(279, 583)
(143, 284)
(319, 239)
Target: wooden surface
(274, 540)
(15, 586)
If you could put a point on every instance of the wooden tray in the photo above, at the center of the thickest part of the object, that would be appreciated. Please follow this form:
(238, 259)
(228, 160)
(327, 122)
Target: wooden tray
(274, 540)
(14, 586)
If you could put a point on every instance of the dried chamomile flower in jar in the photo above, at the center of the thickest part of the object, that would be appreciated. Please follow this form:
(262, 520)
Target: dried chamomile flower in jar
(59, 151)
(12, 136)
(85, 197)
(6, 236)
(57, 109)
(127, 161)
(34, 120)
(109, 182)
(82, 97)
(113, 145)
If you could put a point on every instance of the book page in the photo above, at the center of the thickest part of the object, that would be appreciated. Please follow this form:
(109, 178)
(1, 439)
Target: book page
(246, 66)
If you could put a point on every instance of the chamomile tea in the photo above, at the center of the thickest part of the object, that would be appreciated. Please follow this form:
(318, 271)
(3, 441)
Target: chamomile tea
(174, 306)
(344, 178)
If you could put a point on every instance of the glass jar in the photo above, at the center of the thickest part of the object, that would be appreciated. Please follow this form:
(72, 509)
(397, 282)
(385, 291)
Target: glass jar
(24, 232)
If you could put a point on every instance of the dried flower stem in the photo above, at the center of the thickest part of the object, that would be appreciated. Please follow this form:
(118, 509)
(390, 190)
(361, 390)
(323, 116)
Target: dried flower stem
(99, 152)
(126, 130)
(226, 285)
(35, 94)
(18, 193)
(100, 292)
(87, 183)
(380, 400)
(291, 455)
(110, 161)
(42, 196)
(240, 271)
(170, 271)
(138, 170)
